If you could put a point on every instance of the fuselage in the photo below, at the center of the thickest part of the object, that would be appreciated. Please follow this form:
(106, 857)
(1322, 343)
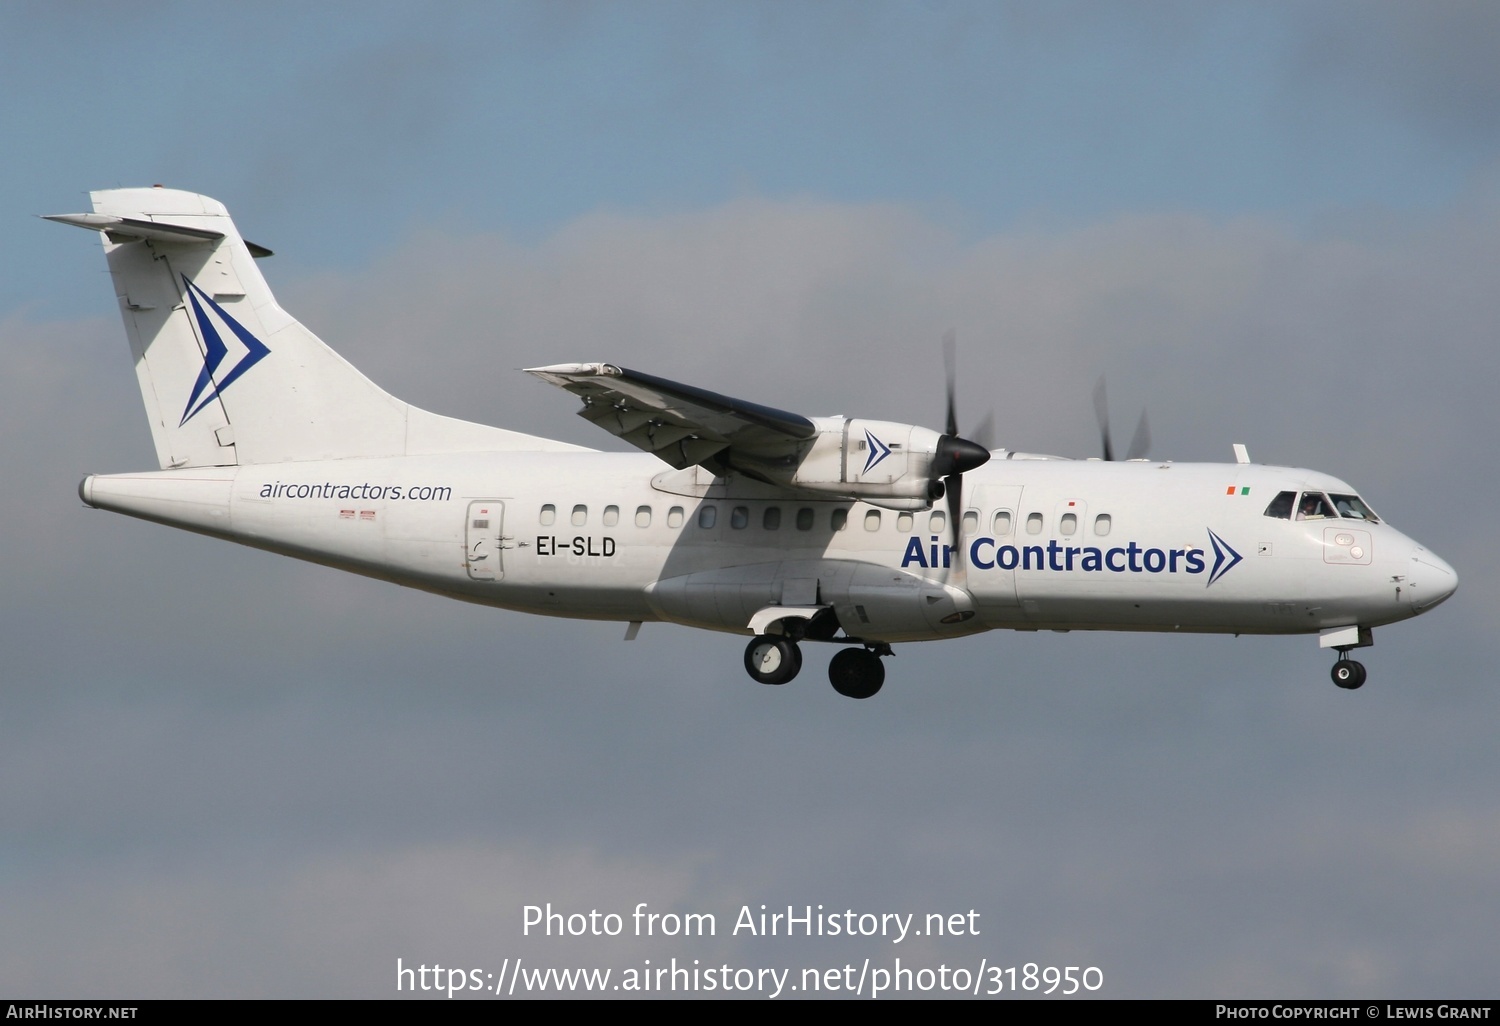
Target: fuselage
(1044, 544)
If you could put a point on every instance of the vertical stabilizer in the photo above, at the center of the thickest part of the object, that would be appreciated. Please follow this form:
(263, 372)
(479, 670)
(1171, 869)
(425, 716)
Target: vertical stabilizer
(227, 376)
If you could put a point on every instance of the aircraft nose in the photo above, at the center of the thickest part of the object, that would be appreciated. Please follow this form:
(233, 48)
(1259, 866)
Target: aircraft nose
(1430, 581)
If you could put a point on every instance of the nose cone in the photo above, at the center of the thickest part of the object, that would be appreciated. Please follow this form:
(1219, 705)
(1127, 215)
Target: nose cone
(1430, 580)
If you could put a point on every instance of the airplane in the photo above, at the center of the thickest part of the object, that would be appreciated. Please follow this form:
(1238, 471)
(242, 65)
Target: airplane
(734, 517)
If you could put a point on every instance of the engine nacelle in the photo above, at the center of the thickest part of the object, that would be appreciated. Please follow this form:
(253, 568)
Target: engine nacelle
(877, 461)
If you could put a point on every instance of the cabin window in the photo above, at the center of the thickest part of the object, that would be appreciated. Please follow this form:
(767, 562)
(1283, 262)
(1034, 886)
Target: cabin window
(1102, 523)
(707, 516)
(903, 523)
(1314, 506)
(839, 519)
(1352, 507)
(611, 516)
(1281, 506)
(1033, 523)
(937, 521)
(1001, 523)
(580, 515)
(643, 516)
(771, 519)
(549, 514)
(971, 522)
(805, 517)
(674, 515)
(739, 518)
(1068, 524)
(872, 520)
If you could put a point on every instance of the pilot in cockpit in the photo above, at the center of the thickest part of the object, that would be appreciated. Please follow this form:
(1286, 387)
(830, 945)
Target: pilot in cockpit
(1313, 507)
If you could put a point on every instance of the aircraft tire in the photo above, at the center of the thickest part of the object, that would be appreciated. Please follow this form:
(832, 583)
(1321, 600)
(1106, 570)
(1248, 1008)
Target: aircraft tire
(856, 673)
(772, 660)
(1348, 674)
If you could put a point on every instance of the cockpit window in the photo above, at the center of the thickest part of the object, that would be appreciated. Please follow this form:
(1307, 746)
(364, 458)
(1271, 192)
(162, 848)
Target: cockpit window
(1352, 507)
(1281, 506)
(1314, 506)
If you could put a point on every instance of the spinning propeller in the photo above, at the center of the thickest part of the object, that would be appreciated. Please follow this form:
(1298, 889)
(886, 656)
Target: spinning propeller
(953, 457)
(1139, 445)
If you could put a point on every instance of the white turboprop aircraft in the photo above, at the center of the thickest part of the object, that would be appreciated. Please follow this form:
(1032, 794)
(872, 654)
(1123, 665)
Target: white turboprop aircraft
(737, 517)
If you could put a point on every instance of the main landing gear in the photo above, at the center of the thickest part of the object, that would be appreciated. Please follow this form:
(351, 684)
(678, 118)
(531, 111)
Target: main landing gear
(772, 659)
(854, 672)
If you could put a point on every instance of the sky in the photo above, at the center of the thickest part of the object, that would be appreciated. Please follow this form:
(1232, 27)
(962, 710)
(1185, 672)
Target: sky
(228, 774)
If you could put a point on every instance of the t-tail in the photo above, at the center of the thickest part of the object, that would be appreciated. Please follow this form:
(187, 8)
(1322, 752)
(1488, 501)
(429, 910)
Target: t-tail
(227, 376)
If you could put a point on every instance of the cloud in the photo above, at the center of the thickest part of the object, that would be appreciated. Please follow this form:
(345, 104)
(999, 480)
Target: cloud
(1431, 66)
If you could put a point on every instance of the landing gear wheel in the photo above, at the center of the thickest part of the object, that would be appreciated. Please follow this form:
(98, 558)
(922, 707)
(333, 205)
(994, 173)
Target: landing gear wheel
(856, 673)
(772, 660)
(1348, 674)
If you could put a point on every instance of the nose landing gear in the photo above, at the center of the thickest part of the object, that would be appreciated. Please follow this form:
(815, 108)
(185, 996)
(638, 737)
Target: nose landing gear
(1347, 673)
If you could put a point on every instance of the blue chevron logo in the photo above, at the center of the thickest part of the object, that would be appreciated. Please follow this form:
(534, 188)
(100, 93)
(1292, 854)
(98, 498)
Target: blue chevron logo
(209, 386)
(878, 451)
(1225, 558)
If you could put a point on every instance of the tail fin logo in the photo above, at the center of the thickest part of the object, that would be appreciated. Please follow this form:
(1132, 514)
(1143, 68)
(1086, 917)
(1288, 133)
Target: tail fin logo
(209, 384)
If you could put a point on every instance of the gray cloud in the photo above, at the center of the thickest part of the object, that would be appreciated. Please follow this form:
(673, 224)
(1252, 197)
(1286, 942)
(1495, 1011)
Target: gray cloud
(1431, 65)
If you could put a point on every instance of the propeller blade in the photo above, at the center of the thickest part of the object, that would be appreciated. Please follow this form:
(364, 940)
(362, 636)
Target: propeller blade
(955, 495)
(1140, 445)
(962, 455)
(952, 459)
(984, 432)
(950, 363)
(1101, 411)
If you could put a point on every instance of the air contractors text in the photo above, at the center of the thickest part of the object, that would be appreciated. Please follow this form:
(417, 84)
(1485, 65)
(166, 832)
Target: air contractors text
(364, 490)
(986, 554)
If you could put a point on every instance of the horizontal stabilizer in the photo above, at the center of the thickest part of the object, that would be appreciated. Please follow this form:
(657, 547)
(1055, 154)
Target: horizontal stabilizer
(129, 229)
(123, 228)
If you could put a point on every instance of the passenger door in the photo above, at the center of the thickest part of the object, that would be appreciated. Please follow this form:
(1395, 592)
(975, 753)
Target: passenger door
(483, 541)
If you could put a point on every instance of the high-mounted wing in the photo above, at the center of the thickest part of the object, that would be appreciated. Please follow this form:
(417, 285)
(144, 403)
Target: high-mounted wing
(680, 424)
(899, 466)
